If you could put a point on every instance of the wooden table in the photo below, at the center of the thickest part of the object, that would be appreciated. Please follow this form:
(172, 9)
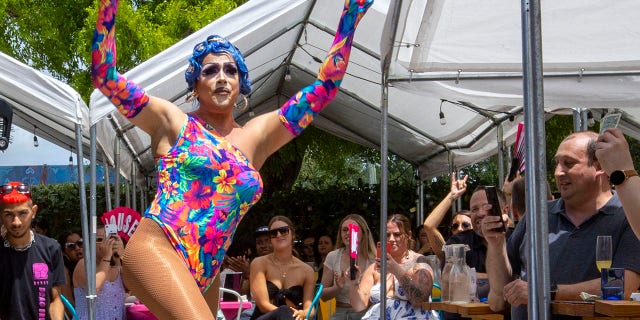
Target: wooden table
(473, 310)
(598, 310)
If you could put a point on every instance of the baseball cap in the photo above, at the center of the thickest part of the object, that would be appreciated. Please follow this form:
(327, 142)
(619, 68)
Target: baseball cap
(261, 230)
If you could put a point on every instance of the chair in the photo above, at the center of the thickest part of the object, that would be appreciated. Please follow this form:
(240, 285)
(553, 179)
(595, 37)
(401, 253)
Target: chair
(315, 302)
(69, 307)
(238, 297)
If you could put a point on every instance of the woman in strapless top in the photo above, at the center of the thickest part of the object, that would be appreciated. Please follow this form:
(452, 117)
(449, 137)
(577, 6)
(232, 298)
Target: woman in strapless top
(281, 284)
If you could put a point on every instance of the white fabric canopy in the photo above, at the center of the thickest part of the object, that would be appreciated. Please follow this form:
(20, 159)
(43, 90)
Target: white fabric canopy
(39, 100)
(467, 52)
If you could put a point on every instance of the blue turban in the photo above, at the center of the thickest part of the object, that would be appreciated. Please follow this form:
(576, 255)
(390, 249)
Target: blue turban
(216, 44)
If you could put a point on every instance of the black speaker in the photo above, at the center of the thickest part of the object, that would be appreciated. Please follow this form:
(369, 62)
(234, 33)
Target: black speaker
(6, 115)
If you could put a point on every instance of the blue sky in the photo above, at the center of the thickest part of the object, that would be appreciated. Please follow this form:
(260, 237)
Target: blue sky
(21, 151)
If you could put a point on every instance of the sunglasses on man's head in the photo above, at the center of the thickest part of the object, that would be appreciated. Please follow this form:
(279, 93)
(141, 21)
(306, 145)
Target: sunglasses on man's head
(273, 233)
(73, 245)
(465, 225)
(211, 69)
(24, 189)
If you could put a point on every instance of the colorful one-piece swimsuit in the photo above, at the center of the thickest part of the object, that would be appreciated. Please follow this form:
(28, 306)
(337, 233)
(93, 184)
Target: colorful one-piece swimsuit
(205, 187)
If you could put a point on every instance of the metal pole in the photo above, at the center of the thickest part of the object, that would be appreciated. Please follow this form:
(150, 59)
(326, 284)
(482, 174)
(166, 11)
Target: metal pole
(577, 120)
(107, 186)
(133, 186)
(88, 227)
(127, 194)
(116, 181)
(537, 220)
(500, 138)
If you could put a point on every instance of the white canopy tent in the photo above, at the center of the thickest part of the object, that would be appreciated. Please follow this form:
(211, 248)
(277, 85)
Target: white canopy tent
(468, 53)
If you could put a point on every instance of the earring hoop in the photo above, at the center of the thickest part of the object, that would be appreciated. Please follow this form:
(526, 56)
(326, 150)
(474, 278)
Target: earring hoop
(243, 106)
(191, 96)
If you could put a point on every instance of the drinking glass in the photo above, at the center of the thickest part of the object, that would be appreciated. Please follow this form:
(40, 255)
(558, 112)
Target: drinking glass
(603, 252)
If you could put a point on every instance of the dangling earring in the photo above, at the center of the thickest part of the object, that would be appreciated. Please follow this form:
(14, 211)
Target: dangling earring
(243, 106)
(191, 96)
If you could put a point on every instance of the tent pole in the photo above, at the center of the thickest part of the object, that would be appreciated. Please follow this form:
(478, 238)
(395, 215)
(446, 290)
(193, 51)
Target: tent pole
(420, 190)
(88, 221)
(537, 219)
(107, 187)
(133, 187)
(500, 138)
(116, 181)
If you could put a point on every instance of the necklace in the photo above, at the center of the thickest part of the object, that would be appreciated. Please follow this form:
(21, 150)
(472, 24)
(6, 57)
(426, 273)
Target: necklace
(277, 263)
(8, 244)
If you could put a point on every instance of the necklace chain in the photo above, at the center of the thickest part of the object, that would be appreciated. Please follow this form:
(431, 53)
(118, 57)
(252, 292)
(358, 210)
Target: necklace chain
(280, 264)
(8, 244)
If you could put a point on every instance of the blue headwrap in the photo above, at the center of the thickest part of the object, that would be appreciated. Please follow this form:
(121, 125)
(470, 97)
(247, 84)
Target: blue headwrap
(216, 44)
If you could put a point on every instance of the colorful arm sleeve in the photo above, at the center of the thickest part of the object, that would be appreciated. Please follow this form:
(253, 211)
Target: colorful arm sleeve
(299, 111)
(127, 96)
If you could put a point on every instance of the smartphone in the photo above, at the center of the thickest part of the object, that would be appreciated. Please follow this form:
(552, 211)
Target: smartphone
(110, 229)
(379, 251)
(353, 252)
(496, 209)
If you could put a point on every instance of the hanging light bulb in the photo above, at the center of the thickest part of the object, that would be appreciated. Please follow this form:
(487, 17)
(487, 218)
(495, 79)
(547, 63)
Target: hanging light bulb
(70, 156)
(287, 75)
(35, 138)
(443, 120)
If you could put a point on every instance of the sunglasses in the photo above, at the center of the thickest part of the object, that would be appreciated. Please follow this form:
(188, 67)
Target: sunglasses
(465, 225)
(284, 231)
(212, 69)
(24, 189)
(73, 245)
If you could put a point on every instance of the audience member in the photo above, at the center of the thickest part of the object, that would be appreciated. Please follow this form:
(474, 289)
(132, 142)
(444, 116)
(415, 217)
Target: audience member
(281, 284)
(72, 251)
(336, 277)
(409, 279)
(325, 245)
(587, 208)
(110, 290)
(612, 151)
(32, 271)
(310, 253)
(460, 220)
(41, 226)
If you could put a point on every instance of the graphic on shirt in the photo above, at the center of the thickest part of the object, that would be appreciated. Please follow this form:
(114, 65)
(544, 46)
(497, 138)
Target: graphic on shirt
(40, 280)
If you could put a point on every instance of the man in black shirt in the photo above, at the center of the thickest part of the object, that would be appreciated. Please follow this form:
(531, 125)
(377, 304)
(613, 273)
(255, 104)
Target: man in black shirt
(31, 267)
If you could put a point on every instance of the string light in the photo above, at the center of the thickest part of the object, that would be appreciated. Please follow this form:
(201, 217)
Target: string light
(35, 138)
(70, 156)
(443, 120)
(287, 75)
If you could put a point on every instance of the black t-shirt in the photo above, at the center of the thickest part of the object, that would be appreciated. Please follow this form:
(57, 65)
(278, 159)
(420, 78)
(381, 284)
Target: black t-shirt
(26, 278)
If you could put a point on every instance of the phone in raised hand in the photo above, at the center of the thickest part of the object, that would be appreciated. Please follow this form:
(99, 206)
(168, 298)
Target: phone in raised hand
(496, 209)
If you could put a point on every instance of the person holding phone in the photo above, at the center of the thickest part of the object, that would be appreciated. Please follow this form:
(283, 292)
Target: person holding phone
(409, 279)
(109, 287)
(587, 208)
(336, 276)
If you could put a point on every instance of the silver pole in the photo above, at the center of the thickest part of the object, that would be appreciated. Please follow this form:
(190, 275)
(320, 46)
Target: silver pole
(116, 181)
(500, 138)
(537, 220)
(127, 194)
(133, 186)
(577, 120)
(88, 227)
(107, 186)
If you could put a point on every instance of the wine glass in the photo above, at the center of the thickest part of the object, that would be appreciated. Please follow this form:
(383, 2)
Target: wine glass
(603, 252)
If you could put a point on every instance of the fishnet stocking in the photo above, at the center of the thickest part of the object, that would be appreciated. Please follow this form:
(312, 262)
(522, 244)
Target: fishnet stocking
(155, 274)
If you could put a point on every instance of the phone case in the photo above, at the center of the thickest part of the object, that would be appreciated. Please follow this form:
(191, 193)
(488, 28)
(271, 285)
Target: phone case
(496, 209)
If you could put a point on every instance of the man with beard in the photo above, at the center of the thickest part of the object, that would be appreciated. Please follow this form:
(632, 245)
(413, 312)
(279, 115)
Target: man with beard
(31, 267)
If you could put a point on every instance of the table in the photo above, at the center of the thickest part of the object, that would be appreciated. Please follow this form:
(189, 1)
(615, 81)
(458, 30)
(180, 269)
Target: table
(598, 310)
(473, 310)
(230, 308)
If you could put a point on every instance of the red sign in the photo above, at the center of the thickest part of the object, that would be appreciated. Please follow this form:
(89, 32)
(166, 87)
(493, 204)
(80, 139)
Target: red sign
(126, 219)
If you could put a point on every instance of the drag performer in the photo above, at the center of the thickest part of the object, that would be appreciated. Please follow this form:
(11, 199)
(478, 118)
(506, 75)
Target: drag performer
(207, 164)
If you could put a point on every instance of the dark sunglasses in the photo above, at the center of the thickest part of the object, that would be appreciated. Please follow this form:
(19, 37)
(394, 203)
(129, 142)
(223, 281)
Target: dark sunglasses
(211, 69)
(24, 189)
(465, 225)
(73, 245)
(273, 233)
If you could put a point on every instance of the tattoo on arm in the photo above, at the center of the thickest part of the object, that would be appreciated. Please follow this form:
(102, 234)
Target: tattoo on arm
(416, 284)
